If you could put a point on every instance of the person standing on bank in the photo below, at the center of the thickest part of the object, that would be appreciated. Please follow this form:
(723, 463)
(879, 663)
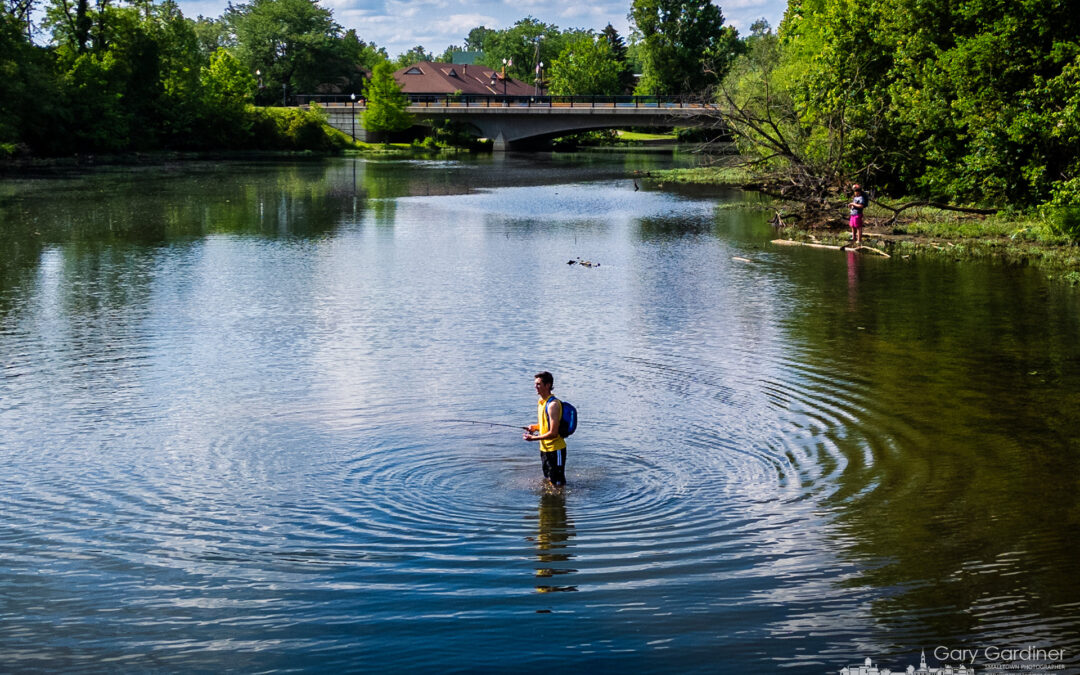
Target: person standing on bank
(858, 203)
(546, 431)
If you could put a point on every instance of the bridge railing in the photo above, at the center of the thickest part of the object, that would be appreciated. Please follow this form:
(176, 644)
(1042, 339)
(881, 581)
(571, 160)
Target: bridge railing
(500, 101)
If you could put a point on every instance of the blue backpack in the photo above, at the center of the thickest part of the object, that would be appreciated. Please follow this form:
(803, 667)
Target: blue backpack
(568, 423)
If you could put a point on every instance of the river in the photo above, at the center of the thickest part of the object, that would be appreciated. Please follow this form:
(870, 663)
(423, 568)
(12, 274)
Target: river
(224, 399)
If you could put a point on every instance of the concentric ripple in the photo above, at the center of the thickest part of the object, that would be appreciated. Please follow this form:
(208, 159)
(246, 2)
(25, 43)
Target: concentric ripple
(231, 449)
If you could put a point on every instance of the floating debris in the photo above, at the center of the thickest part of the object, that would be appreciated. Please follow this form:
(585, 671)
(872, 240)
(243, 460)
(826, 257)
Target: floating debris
(842, 247)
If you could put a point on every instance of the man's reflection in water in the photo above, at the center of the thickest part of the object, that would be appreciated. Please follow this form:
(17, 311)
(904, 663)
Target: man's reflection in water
(552, 537)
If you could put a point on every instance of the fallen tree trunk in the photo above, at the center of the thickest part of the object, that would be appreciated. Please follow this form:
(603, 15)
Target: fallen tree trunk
(897, 210)
(832, 247)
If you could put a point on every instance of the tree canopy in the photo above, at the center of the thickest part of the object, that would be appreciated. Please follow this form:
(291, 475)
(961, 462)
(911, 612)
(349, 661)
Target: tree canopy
(414, 55)
(522, 45)
(684, 46)
(620, 54)
(142, 76)
(972, 102)
(385, 102)
(969, 102)
(295, 44)
(587, 65)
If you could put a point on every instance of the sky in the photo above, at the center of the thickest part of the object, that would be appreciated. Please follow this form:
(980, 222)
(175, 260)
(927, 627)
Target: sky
(399, 25)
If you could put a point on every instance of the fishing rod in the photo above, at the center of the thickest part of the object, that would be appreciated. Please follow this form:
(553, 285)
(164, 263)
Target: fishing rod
(493, 424)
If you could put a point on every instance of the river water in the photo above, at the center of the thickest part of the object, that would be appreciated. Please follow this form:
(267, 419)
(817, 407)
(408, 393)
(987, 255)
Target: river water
(223, 405)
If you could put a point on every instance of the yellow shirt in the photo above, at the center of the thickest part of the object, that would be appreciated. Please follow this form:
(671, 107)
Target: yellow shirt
(550, 444)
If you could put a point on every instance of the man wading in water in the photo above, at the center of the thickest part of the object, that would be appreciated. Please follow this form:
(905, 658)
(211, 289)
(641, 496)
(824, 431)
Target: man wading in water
(552, 446)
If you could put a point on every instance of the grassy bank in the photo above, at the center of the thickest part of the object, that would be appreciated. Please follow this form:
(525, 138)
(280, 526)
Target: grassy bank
(326, 141)
(1044, 239)
(725, 176)
(638, 137)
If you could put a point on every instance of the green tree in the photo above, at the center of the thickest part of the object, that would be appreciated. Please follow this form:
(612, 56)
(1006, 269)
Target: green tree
(953, 102)
(685, 47)
(97, 118)
(21, 14)
(296, 44)
(179, 88)
(385, 102)
(28, 88)
(212, 35)
(586, 66)
(477, 39)
(228, 85)
(620, 54)
(973, 102)
(228, 91)
(524, 43)
(360, 58)
(448, 54)
(414, 55)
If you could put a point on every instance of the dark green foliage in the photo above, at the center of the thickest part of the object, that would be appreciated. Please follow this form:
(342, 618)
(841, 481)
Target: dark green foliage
(212, 35)
(414, 55)
(289, 129)
(523, 45)
(1064, 221)
(973, 102)
(295, 44)
(385, 102)
(143, 77)
(685, 47)
(28, 88)
(227, 93)
(97, 119)
(586, 66)
(620, 55)
(599, 137)
(454, 133)
(477, 40)
(362, 58)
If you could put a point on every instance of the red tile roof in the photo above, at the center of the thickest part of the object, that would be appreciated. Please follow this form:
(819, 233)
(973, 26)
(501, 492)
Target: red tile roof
(426, 77)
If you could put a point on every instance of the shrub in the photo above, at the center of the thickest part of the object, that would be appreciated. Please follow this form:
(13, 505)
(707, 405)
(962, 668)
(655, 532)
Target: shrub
(1063, 221)
(291, 129)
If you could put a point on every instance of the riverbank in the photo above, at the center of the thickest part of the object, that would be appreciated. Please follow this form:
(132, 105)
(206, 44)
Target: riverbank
(90, 160)
(1042, 240)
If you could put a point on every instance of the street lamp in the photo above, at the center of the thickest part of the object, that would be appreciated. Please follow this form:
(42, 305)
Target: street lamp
(506, 63)
(353, 96)
(538, 64)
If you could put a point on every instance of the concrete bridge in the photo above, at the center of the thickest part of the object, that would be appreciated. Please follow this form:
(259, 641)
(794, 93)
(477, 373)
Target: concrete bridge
(511, 121)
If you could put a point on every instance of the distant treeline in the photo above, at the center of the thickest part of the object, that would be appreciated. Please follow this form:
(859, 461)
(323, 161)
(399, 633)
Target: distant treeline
(144, 77)
(976, 101)
(141, 76)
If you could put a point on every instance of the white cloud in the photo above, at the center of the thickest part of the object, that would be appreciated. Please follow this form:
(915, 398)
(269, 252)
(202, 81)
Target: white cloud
(399, 25)
(461, 24)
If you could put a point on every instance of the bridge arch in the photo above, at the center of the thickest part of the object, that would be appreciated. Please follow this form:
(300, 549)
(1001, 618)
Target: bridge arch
(511, 121)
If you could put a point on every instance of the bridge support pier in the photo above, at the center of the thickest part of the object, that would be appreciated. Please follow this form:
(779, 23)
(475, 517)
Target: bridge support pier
(499, 143)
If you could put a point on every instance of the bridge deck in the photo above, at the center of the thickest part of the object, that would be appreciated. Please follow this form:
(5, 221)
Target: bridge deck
(435, 107)
(514, 119)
